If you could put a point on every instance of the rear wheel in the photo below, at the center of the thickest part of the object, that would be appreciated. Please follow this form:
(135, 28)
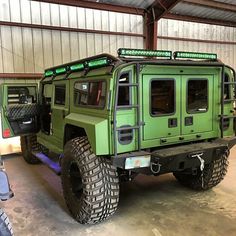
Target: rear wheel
(5, 225)
(212, 175)
(90, 183)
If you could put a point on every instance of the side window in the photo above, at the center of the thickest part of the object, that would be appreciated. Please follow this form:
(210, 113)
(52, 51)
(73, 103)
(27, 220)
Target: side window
(162, 97)
(124, 92)
(22, 95)
(90, 93)
(47, 93)
(197, 96)
(46, 108)
(60, 94)
(227, 87)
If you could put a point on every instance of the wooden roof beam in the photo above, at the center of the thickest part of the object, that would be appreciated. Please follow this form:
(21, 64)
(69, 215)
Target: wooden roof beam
(154, 12)
(161, 7)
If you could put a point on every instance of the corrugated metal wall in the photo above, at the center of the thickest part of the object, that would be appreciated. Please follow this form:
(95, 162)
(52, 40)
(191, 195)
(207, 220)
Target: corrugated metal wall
(190, 30)
(32, 50)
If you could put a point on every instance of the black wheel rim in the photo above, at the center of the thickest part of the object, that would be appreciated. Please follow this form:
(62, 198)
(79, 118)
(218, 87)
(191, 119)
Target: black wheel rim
(76, 180)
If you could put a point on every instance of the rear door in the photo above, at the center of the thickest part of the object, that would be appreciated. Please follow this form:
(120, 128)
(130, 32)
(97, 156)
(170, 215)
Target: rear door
(197, 104)
(161, 107)
(178, 108)
(19, 109)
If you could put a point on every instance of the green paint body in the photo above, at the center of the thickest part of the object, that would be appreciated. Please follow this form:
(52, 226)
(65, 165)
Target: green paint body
(98, 123)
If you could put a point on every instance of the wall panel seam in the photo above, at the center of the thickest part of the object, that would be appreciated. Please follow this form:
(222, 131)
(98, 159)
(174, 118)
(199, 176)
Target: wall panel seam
(49, 27)
(197, 40)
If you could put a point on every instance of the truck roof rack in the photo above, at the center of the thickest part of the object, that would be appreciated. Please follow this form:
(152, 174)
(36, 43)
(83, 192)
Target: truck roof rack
(129, 55)
(84, 64)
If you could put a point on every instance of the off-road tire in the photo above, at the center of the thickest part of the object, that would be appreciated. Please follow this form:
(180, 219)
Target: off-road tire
(213, 174)
(90, 183)
(5, 225)
(29, 144)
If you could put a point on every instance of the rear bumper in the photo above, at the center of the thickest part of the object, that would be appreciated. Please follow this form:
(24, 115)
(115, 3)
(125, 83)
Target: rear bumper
(178, 158)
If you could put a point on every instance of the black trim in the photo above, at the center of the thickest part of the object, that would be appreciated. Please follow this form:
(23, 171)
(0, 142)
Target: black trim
(181, 157)
(130, 73)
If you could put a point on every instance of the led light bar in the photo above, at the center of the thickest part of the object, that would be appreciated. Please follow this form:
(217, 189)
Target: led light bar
(98, 62)
(195, 55)
(48, 73)
(60, 70)
(144, 53)
(77, 67)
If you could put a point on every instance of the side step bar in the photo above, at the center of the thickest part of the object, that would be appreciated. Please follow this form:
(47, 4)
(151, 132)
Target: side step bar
(55, 166)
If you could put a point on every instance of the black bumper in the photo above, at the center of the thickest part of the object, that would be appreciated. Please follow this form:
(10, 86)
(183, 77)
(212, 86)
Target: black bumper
(179, 158)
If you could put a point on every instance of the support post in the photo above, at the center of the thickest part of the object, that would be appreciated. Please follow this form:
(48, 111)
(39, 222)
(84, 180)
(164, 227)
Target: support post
(150, 31)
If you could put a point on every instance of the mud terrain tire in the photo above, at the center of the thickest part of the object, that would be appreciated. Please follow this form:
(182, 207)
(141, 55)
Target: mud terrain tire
(90, 183)
(213, 174)
(5, 225)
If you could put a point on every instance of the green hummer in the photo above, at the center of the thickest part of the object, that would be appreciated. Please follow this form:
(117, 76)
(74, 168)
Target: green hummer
(109, 118)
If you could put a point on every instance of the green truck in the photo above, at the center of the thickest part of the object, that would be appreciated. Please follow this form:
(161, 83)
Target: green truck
(109, 118)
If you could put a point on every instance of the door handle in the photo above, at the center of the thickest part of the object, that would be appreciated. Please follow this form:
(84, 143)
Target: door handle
(27, 122)
(188, 120)
(172, 122)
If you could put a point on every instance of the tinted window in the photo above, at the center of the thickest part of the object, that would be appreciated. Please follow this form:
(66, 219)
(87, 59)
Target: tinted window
(124, 91)
(197, 100)
(226, 87)
(162, 97)
(21, 95)
(90, 93)
(60, 94)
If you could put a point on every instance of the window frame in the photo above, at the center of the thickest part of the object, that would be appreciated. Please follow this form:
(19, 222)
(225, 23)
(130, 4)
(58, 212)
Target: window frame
(129, 72)
(229, 88)
(150, 97)
(91, 106)
(23, 86)
(187, 85)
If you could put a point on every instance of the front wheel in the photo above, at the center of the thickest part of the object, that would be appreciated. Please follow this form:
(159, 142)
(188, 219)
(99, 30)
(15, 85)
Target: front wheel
(90, 183)
(212, 175)
(5, 225)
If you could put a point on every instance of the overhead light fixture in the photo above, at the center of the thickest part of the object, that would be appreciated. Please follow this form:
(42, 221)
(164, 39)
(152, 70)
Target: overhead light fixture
(195, 55)
(144, 53)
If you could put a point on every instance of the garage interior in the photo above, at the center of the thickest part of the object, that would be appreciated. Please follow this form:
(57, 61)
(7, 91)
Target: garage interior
(35, 35)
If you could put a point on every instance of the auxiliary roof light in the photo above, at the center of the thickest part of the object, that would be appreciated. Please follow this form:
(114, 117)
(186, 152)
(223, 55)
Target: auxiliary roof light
(195, 55)
(98, 62)
(79, 66)
(144, 53)
(48, 73)
(61, 70)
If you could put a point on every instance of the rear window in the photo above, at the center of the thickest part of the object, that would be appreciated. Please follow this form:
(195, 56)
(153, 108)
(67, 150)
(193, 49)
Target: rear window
(92, 93)
(162, 97)
(197, 95)
(22, 95)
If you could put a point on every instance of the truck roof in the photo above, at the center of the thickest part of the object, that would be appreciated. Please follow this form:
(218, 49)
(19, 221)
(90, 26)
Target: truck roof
(104, 59)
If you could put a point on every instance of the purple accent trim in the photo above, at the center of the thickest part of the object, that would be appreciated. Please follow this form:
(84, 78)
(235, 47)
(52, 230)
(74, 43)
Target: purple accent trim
(47, 161)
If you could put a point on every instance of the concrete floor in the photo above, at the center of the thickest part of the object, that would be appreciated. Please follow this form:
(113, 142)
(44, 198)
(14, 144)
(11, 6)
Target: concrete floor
(148, 206)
